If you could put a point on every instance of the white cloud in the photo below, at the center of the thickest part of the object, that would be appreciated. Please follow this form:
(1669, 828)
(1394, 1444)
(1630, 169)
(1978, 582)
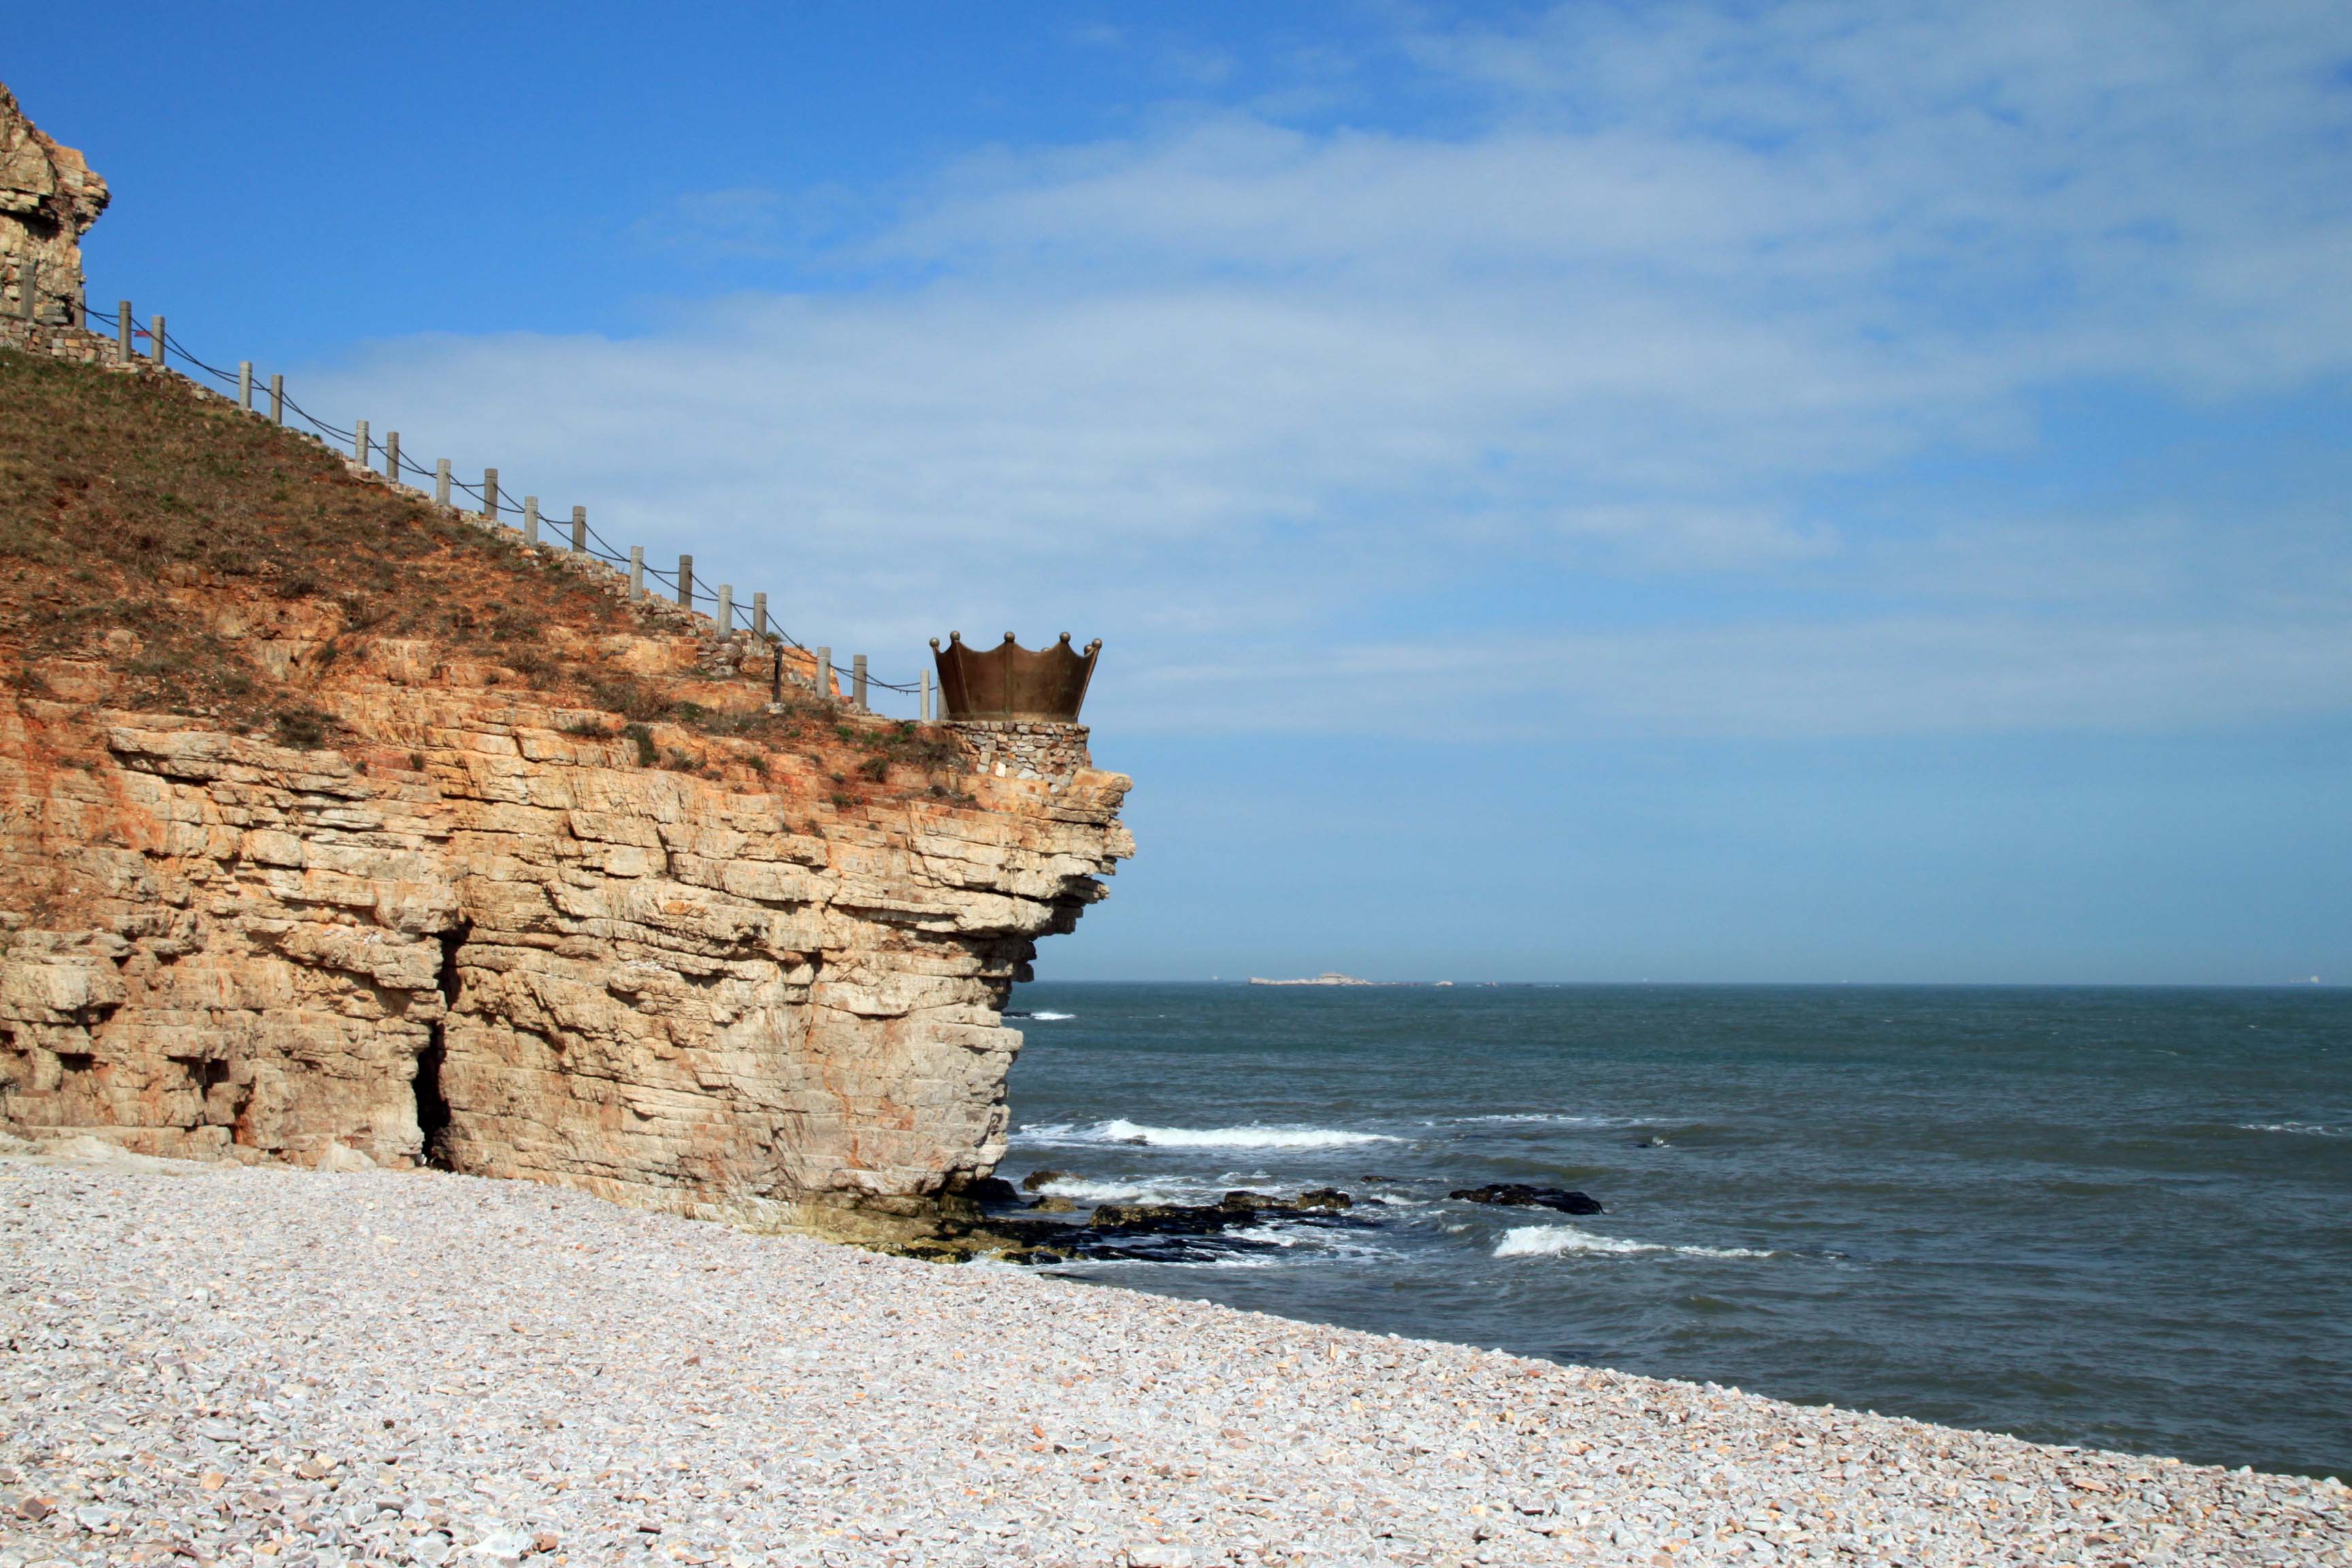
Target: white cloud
(1337, 399)
(1889, 675)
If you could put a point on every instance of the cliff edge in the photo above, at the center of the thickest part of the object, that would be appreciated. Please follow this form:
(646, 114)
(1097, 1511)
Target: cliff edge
(48, 198)
(335, 826)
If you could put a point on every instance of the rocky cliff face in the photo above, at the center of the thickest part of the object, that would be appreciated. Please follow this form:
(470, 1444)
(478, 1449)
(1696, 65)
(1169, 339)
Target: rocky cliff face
(334, 827)
(48, 199)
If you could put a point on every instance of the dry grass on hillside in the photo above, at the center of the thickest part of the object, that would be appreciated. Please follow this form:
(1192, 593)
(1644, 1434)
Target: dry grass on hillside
(136, 504)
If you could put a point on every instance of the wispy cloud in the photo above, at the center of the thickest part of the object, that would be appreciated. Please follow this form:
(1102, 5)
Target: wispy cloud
(1648, 383)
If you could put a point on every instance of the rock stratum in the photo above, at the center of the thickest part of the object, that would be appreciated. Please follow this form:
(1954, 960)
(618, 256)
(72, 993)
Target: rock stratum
(336, 827)
(48, 198)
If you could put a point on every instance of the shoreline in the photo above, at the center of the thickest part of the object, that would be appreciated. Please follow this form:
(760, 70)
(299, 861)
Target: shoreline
(438, 1369)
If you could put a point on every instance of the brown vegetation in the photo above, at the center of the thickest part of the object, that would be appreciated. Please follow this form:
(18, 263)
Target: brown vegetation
(147, 528)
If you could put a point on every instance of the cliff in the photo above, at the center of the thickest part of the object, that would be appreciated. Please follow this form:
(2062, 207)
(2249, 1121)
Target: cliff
(48, 199)
(336, 826)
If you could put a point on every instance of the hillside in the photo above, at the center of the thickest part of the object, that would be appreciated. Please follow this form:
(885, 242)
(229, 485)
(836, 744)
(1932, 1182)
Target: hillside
(132, 507)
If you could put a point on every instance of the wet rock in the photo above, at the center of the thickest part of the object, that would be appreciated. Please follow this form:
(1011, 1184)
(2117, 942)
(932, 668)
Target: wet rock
(1514, 1194)
(1164, 1219)
(1037, 1179)
(1237, 1207)
(985, 1190)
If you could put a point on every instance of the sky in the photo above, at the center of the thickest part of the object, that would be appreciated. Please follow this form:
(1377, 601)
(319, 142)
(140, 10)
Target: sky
(1588, 492)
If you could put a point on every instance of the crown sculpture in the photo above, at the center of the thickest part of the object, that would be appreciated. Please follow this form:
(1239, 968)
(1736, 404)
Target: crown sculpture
(1009, 681)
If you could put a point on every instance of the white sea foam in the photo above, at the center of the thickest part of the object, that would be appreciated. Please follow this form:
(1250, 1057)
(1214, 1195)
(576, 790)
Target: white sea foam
(1080, 1190)
(2306, 1128)
(1531, 1118)
(1121, 1130)
(1343, 1246)
(1558, 1240)
(1053, 1018)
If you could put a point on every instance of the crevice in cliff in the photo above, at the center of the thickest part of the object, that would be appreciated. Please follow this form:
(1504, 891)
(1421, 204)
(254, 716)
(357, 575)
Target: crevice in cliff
(432, 1104)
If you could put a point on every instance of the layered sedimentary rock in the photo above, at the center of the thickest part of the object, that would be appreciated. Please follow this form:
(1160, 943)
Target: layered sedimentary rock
(458, 907)
(48, 199)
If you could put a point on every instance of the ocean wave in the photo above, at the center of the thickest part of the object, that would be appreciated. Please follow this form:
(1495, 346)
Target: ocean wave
(1549, 1118)
(1080, 1190)
(1344, 1246)
(1121, 1130)
(2306, 1128)
(1043, 1017)
(1559, 1240)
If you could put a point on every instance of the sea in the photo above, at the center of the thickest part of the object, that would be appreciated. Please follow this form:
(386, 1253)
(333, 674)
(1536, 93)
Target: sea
(2120, 1218)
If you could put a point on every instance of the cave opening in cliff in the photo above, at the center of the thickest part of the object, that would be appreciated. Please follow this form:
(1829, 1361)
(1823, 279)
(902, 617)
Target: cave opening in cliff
(432, 1104)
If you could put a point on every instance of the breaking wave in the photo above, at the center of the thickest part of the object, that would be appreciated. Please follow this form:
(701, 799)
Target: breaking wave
(1079, 1190)
(1545, 1119)
(1560, 1240)
(2307, 1128)
(1121, 1130)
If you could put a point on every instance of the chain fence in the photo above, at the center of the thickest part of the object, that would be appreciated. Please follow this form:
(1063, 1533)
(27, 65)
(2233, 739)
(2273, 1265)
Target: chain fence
(162, 347)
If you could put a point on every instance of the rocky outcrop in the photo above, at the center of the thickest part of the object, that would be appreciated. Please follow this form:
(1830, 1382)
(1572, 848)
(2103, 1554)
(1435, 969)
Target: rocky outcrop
(520, 947)
(1518, 1195)
(580, 906)
(48, 199)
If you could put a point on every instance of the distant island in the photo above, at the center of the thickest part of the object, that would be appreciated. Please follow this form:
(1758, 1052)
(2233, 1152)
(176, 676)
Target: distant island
(1329, 977)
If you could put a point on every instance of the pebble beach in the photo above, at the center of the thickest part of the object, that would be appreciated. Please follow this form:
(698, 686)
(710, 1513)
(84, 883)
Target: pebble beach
(204, 1364)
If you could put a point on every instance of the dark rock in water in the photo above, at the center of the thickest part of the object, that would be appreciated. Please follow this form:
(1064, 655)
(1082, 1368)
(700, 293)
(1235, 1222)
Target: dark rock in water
(985, 1190)
(1155, 1218)
(1036, 1179)
(1238, 1207)
(1513, 1195)
(1652, 1141)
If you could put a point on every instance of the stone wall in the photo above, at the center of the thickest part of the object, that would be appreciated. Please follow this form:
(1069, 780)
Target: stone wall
(48, 199)
(71, 344)
(1025, 749)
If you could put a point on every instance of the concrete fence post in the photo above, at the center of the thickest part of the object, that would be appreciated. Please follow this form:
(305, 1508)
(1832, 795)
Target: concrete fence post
(245, 385)
(441, 481)
(28, 288)
(392, 456)
(530, 520)
(685, 581)
(580, 531)
(927, 697)
(636, 572)
(857, 681)
(824, 674)
(123, 333)
(490, 497)
(760, 616)
(277, 400)
(155, 335)
(361, 447)
(726, 609)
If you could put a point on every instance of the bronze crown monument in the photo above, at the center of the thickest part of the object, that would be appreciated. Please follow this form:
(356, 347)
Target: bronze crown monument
(1009, 681)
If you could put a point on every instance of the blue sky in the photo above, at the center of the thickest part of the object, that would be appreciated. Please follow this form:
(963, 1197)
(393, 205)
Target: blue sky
(1762, 492)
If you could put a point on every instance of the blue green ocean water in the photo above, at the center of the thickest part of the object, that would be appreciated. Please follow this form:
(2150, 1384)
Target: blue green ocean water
(2112, 1217)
